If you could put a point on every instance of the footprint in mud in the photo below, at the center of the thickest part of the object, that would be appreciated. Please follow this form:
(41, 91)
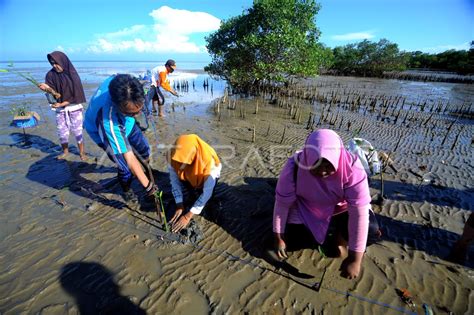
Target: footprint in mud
(129, 238)
(191, 299)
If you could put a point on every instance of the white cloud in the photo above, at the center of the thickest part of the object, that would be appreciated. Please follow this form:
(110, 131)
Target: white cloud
(441, 48)
(353, 36)
(170, 33)
(68, 50)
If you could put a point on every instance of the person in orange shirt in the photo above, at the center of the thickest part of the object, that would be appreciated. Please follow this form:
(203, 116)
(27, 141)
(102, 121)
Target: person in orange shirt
(159, 78)
(193, 164)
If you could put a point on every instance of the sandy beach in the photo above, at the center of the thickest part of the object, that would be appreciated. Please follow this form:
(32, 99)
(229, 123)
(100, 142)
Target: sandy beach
(71, 245)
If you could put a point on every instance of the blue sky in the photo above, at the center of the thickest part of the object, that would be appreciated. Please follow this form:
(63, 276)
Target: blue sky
(153, 29)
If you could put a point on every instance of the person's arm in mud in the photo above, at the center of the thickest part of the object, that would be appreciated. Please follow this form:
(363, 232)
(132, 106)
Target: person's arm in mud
(280, 216)
(350, 267)
(177, 191)
(285, 197)
(357, 195)
(200, 203)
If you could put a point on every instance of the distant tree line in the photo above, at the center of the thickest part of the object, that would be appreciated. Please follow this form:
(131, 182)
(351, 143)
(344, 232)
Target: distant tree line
(373, 59)
(459, 61)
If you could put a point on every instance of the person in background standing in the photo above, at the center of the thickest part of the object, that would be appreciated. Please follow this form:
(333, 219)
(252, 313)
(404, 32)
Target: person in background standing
(63, 79)
(159, 79)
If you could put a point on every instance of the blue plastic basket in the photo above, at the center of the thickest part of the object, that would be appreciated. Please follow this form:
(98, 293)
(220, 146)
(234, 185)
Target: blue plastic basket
(29, 121)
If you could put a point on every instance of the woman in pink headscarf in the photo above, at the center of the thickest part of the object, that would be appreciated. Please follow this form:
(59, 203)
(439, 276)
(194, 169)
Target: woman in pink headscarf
(324, 185)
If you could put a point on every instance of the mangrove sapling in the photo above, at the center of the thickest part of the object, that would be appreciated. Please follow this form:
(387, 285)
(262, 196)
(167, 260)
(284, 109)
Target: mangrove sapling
(394, 109)
(327, 115)
(357, 133)
(253, 134)
(330, 119)
(396, 117)
(283, 135)
(422, 108)
(159, 199)
(20, 110)
(308, 124)
(405, 119)
(398, 143)
(456, 139)
(386, 106)
(30, 79)
(335, 120)
(295, 113)
(429, 118)
(340, 125)
(446, 108)
(320, 119)
(447, 132)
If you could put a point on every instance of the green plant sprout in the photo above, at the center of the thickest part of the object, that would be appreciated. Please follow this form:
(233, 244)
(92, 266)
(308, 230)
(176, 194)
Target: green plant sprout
(321, 251)
(19, 110)
(158, 195)
(26, 76)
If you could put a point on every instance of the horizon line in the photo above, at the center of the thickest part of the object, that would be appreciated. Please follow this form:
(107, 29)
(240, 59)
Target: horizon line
(151, 61)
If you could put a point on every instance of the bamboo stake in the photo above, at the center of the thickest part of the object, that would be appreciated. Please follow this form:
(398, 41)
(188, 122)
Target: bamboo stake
(283, 135)
(309, 121)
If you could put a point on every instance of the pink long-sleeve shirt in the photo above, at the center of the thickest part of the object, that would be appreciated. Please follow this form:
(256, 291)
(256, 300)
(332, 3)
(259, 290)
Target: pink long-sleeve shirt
(313, 201)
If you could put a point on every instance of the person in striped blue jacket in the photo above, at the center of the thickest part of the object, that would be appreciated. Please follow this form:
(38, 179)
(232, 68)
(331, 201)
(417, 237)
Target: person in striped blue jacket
(110, 122)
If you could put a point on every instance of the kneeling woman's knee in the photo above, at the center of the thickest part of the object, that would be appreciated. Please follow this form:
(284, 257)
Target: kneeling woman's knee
(375, 234)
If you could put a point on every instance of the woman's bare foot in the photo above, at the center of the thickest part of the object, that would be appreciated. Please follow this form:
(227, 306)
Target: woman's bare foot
(62, 156)
(161, 111)
(65, 147)
(83, 157)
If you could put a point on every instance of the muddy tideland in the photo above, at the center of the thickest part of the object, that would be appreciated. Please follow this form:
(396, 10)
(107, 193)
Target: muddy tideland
(71, 245)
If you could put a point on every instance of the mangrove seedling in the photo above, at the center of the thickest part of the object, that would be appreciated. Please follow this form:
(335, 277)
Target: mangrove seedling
(159, 198)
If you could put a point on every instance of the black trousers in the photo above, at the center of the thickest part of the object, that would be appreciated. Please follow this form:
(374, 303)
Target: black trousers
(298, 236)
